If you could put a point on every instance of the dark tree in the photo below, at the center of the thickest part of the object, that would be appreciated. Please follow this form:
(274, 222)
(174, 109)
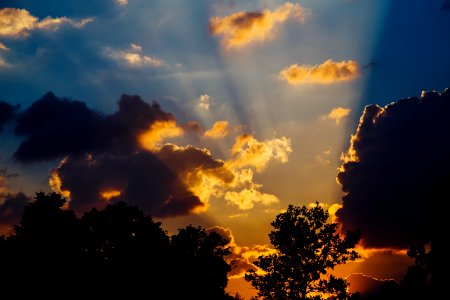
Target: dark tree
(45, 250)
(200, 257)
(426, 279)
(124, 248)
(118, 251)
(308, 247)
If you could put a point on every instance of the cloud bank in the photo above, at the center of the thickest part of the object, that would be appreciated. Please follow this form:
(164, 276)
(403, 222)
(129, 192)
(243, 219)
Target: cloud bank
(395, 175)
(105, 158)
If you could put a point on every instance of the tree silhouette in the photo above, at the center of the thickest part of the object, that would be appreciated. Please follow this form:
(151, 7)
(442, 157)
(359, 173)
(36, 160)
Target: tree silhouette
(107, 253)
(307, 247)
(45, 249)
(200, 257)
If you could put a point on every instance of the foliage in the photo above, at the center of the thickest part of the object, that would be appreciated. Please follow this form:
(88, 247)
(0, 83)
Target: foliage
(308, 247)
(106, 253)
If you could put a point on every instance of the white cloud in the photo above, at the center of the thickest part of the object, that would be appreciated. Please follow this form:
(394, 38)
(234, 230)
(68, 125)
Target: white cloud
(133, 57)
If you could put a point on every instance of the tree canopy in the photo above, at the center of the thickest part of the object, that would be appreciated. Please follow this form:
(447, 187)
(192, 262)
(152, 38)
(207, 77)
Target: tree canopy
(308, 247)
(110, 252)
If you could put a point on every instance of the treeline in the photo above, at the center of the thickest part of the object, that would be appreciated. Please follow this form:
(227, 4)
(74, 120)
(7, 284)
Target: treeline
(120, 252)
(115, 252)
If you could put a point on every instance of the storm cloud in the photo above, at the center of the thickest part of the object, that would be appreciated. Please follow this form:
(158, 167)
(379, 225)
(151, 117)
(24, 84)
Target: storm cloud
(395, 175)
(139, 179)
(54, 127)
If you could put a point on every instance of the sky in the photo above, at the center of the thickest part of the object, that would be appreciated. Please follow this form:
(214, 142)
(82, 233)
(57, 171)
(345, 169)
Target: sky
(220, 113)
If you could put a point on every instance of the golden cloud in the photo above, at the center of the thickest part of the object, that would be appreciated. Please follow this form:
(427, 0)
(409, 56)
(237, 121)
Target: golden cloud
(109, 194)
(231, 179)
(325, 73)
(337, 114)
(247, 151)
(157, 132)
(133, 57)
(219, 130)
(19, 22)
(55, 181)
(246, 198)
(243, 28)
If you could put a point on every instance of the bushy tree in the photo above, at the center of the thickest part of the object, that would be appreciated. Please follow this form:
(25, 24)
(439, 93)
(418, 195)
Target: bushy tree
(308, 247)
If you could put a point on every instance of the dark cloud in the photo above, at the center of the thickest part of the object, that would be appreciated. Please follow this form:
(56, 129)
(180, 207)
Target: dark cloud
(54, 127)
(141, 178)
(118, 131)
(6, 113)
(188, 159)
(396, 176)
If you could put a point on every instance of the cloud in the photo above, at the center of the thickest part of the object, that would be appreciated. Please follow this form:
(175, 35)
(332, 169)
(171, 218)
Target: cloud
(122, 2)
(6, 113)
(3, 47)
(50, 23)
(122, 156)
(248, 151)
(395, 175)
(139, 179)
(133, 57)
(243, 28)
(246, 198)
(204, 101)
(219, 130)
(326, 73)
(56, 127)
(337, 114)
(17, 23)
(241, 258)
(157, 132)
(3, 62)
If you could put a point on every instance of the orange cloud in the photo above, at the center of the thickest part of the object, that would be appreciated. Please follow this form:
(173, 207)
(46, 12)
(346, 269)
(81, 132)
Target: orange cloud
(219, 130)
(157, 132)
(133, 57)
(108, 194)
(19, 22)
(337, 114)
(325, 73)
(244, 28)
(248, 151)
(55, 181)
(241, 258)
(246, 198)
